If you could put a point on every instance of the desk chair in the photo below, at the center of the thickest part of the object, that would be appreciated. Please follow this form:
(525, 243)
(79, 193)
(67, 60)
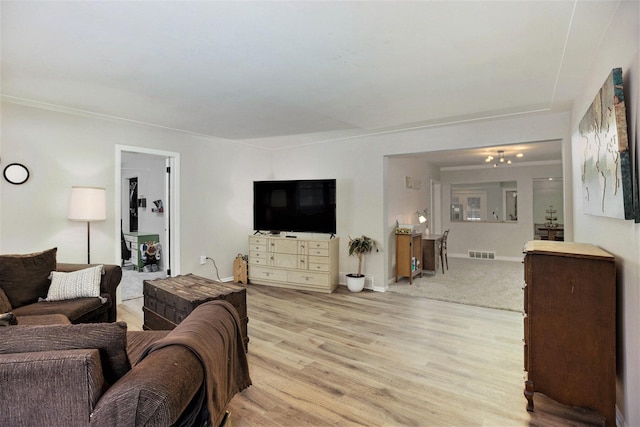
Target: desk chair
(443, 250)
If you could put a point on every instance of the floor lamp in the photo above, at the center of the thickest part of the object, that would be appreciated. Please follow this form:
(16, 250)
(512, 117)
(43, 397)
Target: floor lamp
(87, 204)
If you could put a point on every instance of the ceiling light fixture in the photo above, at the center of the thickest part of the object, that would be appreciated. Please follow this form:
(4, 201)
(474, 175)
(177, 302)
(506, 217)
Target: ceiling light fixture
(500, 159)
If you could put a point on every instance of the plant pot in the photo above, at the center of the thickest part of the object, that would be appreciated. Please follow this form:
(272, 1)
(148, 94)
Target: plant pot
(355, 283)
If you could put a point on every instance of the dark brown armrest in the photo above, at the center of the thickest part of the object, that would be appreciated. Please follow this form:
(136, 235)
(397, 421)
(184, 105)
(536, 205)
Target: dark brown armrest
(154, 392)
(50, 388)
(108, 284)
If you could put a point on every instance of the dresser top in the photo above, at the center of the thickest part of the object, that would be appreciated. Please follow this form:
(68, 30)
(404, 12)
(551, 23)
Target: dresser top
(284, 236)
(570, 249)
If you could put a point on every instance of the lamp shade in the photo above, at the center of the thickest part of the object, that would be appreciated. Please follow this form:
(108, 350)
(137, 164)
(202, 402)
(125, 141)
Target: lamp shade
(87, 204)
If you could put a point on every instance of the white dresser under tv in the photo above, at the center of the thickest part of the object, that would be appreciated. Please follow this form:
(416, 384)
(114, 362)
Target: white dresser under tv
(296, 263)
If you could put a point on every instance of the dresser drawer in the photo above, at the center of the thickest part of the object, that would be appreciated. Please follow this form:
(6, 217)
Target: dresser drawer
(310, 278)
(319, 252)
(318, 245)
(257, 247)
(266, 273)
(257, 253)
(258, 241)
(318, 267)
(314, 259)
(258, 261)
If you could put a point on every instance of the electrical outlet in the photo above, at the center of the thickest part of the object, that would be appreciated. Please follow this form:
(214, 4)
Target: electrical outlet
(203, 259)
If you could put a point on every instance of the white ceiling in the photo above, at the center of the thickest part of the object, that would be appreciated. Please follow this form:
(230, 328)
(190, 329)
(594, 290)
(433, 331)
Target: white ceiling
(277, 74)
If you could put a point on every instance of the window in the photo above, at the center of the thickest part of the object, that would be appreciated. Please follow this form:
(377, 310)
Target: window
(469, 206)
(485, 202)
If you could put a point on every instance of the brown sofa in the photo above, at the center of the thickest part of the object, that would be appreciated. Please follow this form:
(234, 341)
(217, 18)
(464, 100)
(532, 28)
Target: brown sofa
(25, 282)
(102, 375)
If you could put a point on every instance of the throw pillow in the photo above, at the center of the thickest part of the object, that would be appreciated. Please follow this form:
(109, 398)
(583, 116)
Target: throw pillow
(5, 304)
(110, 339)
(76, 284)
(25, 278)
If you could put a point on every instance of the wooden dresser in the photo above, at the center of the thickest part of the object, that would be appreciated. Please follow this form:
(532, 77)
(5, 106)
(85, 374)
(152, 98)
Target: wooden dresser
(570, 325)
(304, 264)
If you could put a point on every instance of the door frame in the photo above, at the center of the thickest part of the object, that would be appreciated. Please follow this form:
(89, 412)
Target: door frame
(172, 186)
(436, 207)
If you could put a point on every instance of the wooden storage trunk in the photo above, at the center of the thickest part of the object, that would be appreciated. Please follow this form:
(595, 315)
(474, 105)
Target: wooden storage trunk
(168, 301)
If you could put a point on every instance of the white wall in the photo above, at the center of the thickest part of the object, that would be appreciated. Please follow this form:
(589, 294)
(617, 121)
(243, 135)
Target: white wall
(216, 183)
(506, 239)
(62, 150)
(619, 48)
(359, 166)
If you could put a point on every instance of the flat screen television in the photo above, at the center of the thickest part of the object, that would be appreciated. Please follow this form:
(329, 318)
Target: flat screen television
(297, 205)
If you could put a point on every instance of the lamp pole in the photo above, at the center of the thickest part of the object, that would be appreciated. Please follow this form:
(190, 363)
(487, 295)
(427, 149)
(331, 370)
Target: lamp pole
(87, 204)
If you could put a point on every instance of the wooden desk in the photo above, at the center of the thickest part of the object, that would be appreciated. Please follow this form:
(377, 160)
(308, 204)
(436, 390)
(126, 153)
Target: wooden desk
(408, 247)
(431, 252)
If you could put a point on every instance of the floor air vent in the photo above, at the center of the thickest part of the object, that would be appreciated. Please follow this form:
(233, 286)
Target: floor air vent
(482, 254)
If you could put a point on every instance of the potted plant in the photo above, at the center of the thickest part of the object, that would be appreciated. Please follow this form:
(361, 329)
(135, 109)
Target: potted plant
(359, 246)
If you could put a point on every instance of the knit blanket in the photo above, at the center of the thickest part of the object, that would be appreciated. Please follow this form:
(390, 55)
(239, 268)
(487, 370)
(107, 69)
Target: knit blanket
(212, 332)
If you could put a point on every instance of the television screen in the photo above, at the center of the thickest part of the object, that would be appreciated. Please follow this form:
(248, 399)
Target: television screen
(300, 205)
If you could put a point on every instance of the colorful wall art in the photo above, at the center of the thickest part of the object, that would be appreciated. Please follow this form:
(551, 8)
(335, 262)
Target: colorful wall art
(606, 169)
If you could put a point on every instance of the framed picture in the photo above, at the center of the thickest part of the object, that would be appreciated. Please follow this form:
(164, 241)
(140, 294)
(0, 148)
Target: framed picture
(608, 178)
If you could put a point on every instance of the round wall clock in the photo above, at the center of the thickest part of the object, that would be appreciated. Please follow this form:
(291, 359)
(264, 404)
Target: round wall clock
(16, 173)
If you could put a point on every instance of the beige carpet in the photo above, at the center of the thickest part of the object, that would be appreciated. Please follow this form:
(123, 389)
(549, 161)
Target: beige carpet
(484, 283)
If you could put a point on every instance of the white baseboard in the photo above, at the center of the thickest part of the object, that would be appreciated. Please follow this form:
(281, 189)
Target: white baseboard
(497, 258)
(369, 283)
(620, 421)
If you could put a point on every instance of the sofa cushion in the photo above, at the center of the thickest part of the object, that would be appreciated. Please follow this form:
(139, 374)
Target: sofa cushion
(44, 319)
(5, 304)
(25, 278)
(77, 284)
(108, 338)
(73, 309)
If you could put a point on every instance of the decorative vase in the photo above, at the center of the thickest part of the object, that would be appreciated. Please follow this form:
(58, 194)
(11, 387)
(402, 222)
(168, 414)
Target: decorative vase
(355, 283)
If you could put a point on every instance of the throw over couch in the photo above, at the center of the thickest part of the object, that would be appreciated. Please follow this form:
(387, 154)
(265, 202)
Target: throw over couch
(101, 375)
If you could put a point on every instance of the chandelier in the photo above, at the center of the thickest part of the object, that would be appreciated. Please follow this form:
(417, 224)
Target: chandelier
(500, 159)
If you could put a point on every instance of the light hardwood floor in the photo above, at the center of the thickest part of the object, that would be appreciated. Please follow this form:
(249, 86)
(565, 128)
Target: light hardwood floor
(382, 359)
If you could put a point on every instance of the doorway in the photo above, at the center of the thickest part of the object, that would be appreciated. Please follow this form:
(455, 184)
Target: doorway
(157, 175)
